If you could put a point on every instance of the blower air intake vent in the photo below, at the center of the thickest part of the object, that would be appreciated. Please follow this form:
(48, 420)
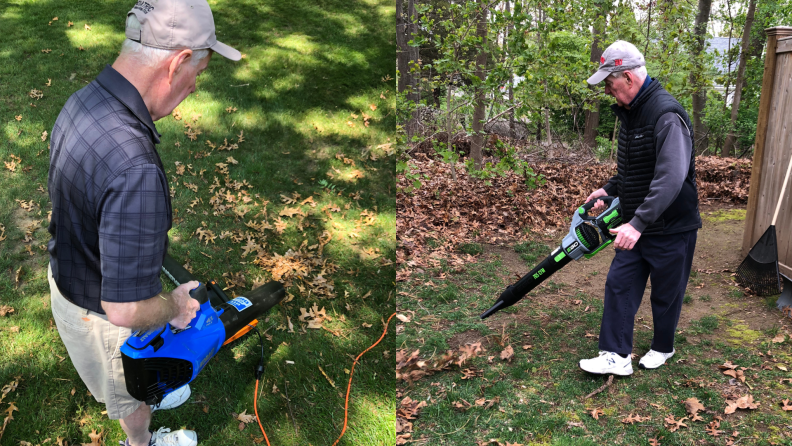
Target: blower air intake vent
(587, 235)
(150, 378)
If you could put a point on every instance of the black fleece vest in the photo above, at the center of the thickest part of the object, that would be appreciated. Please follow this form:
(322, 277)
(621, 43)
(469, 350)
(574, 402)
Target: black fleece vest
(637, 157)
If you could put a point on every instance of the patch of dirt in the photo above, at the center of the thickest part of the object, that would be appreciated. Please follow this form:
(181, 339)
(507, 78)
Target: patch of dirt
(467, 337)
(717, 256)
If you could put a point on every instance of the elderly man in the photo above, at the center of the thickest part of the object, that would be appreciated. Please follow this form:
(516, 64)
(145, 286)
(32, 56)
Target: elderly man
(656, 185)
(111, 208)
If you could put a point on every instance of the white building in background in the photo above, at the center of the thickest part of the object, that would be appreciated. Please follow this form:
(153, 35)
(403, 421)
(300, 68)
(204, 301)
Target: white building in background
(718, 46)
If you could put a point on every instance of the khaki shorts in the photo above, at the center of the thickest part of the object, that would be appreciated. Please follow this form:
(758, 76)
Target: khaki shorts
(94, 346)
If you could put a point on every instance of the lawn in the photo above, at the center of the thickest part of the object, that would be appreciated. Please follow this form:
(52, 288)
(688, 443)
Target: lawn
(281, 166)
(513, 379)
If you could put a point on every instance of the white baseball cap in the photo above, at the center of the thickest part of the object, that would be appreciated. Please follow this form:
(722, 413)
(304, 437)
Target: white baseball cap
(177, 25)
(619, 56)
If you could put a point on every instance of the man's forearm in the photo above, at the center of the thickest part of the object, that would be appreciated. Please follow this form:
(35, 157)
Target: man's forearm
(142, 315)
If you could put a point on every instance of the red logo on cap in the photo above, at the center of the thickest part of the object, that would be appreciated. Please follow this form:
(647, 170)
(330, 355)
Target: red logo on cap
(602, 59)
(618, 62)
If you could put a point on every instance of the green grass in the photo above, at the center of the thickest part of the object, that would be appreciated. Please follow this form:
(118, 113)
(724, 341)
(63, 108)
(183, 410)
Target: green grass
(541, 390)
(531, 250)
(308, 67)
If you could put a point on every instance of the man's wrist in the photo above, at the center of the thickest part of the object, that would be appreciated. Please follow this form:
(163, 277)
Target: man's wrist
(638, 224)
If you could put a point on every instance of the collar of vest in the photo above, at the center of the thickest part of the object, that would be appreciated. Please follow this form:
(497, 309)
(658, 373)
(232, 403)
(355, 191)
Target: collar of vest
(650, 91)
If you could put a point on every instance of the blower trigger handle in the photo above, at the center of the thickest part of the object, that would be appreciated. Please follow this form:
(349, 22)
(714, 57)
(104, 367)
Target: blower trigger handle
(583, 210)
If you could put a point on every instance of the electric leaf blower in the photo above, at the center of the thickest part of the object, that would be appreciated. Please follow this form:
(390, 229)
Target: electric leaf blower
(157, 362)
(587, 236)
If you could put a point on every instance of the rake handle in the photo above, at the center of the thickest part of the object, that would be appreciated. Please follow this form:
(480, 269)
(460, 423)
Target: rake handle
(783, 189)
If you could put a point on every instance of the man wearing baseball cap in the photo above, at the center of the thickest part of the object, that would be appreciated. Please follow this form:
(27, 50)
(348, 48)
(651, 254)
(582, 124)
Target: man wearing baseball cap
(656, 186)
(111, 208)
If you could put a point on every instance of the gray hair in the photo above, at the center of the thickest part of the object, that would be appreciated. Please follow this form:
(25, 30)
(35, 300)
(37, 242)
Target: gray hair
(639, 72)
(151, 56)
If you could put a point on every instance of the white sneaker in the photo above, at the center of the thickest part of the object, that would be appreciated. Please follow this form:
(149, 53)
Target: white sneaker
(164, 437)
(608, 363)
(173, 399)
(654, 359)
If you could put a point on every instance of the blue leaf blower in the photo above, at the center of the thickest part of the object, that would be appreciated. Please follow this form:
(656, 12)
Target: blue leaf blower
(157, 362)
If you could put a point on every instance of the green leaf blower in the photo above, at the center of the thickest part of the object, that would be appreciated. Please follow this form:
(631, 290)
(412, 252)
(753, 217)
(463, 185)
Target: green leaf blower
(587, 236)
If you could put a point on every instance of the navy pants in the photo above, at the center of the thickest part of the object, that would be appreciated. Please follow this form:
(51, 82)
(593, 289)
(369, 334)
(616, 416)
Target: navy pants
(667, 260)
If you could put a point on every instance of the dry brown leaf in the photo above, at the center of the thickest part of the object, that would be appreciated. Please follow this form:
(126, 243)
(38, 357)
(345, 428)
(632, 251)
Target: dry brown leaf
(96, 439)
(5, 309)
(246, 417)
(744, 402)
(673, 425)
(595, 413)
(693, 406)
(507, 354)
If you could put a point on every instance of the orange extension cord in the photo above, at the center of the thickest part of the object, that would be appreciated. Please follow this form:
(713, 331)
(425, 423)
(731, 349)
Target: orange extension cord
(349, 388)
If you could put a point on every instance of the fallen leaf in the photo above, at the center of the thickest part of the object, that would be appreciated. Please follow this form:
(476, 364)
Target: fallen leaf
(595, 413)
(744, 402)
(779, 338)
(96, 439)
(673, 425)
(403, 318)
(327, 377)
(5, 309)
(693, 406)
(245, 417)
(87, 28)
(507, 354)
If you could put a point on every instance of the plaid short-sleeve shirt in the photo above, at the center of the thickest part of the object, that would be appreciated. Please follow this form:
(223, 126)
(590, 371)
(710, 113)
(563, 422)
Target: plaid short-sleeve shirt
(111, 209)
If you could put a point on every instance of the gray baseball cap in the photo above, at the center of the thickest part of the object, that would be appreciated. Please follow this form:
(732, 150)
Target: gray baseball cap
(619, 56)
(177, 25)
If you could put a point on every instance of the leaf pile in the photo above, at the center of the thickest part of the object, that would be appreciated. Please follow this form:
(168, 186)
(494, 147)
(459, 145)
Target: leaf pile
(447, 213)
(408, 410)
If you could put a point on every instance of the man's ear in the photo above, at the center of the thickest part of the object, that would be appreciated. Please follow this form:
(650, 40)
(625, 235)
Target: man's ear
(176, 62)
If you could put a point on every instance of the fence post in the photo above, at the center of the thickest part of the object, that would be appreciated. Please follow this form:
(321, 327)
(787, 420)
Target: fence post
(768, 81)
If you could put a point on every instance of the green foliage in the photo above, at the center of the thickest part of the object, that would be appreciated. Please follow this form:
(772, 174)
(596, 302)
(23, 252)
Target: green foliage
(414, 178)
(604, 149)
(508, 162)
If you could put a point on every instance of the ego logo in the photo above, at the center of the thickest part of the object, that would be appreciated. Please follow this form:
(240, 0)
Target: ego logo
(573, 246)
(538, 273)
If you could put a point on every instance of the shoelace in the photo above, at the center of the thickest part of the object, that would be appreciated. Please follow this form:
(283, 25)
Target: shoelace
(163, 436)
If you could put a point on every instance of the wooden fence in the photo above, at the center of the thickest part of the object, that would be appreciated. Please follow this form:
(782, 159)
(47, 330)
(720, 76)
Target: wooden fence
(773, 150)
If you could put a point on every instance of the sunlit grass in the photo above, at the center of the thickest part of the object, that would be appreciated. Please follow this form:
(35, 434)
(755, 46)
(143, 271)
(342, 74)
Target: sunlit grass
(307, 69)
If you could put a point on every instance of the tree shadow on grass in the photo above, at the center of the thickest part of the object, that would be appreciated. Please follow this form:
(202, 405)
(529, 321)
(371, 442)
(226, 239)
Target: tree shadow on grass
(308, 68)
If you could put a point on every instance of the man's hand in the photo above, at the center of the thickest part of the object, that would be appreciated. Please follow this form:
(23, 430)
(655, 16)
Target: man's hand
(626, 236)
(599, 205)
(187, 306)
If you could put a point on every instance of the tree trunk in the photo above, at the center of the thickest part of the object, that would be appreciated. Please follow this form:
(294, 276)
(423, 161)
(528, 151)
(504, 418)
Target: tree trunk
(728, 146)
(697, 80)
(402, 49)
(479, 106)
(509, 28)
(592, 117)
(449, 122)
